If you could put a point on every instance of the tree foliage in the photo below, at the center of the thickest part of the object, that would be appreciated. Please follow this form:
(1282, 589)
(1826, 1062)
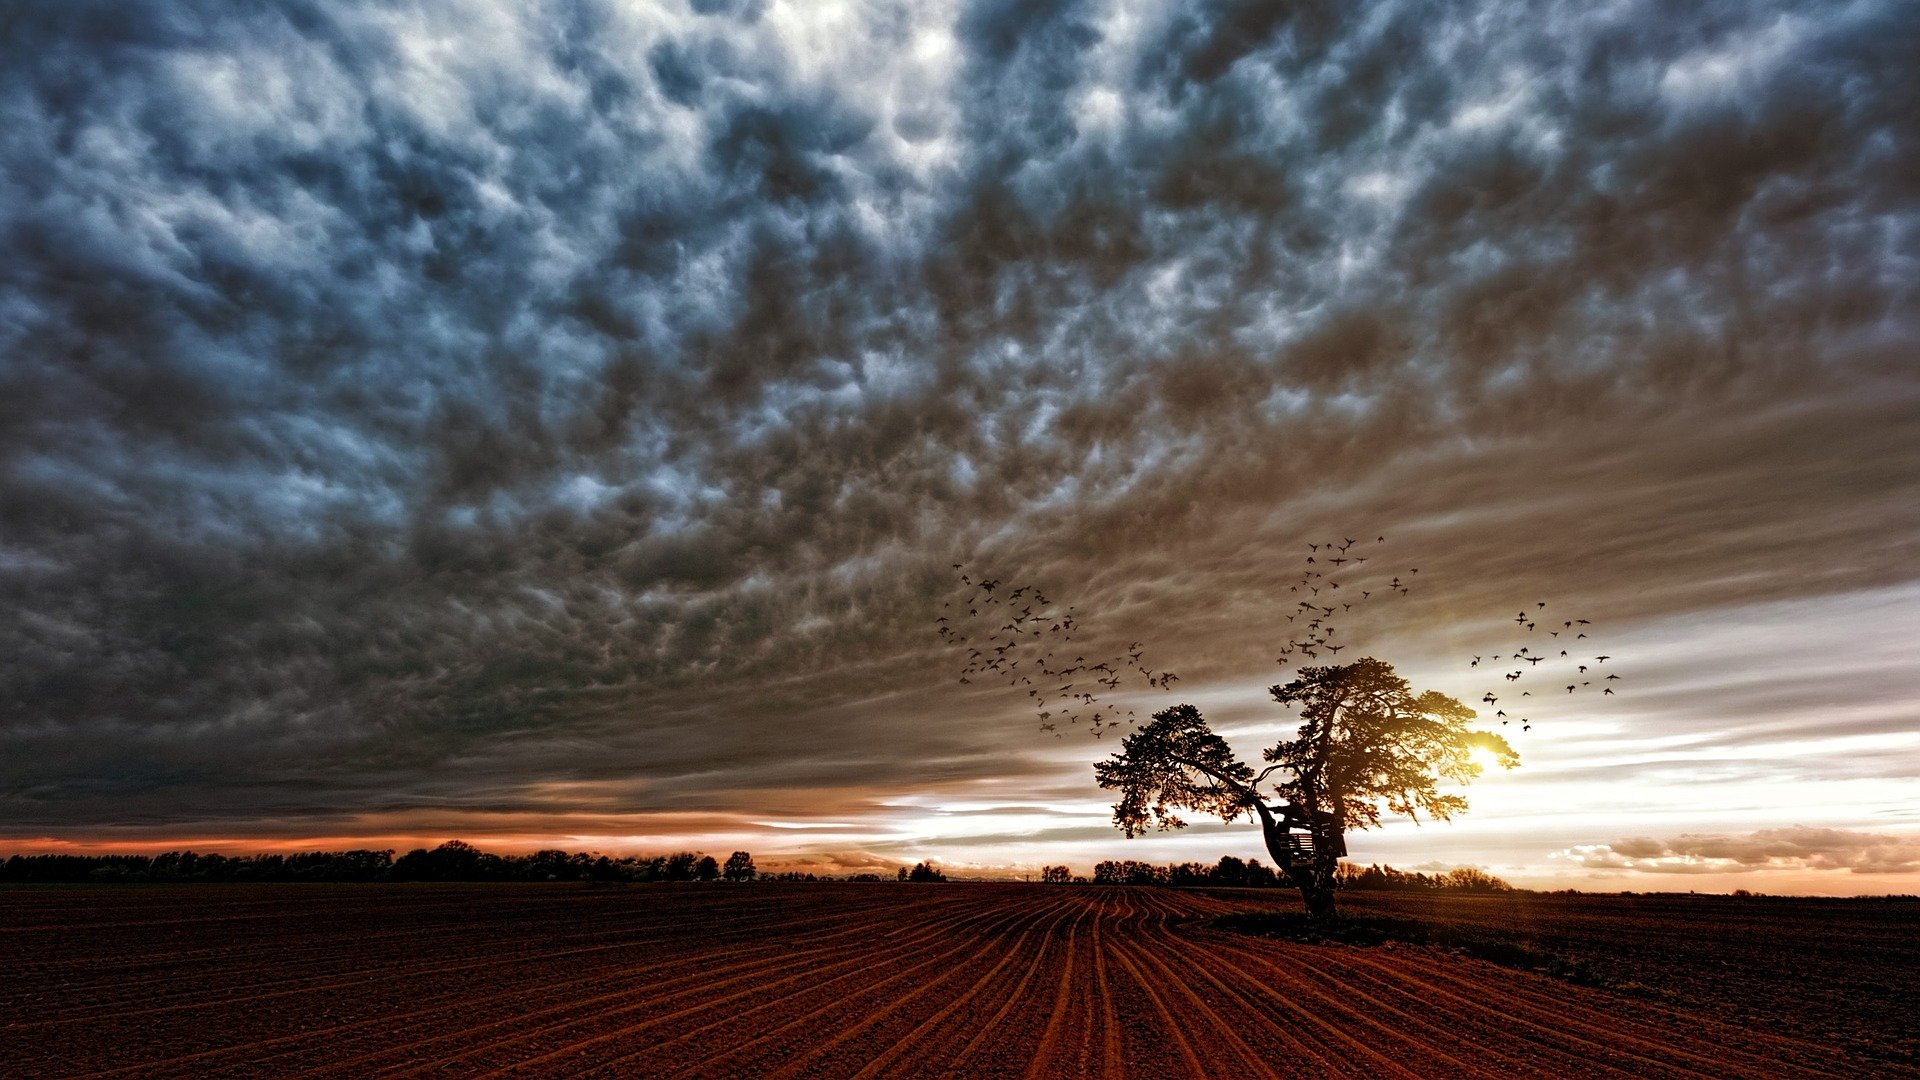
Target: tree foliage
(1175, 762)
(1368, 742)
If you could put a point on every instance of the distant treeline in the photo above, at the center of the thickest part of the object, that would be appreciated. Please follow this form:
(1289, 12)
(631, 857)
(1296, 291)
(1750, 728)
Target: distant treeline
(1379, 878)
(1230, 871)
(1251, 873)
(452, 861)
(457, 860)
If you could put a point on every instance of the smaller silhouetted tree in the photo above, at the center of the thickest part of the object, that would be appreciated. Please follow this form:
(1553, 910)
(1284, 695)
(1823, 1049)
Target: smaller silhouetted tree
(925, 872)
(1129, 872)
(706, 869)
(739, 867)
(1056, 875)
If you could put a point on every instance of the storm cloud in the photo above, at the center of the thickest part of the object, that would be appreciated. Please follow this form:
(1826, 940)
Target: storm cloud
(414, 411)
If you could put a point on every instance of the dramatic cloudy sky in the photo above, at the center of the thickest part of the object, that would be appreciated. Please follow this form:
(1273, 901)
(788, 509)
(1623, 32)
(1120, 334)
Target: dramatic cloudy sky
(554, 423)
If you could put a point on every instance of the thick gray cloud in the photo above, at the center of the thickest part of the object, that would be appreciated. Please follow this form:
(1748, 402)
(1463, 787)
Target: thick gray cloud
(402, 408)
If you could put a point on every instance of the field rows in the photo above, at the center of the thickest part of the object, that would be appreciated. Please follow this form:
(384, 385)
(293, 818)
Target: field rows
(785, 980)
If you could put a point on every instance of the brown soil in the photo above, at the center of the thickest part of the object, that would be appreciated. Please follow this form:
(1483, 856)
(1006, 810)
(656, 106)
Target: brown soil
(1842, 973)
(783, 979)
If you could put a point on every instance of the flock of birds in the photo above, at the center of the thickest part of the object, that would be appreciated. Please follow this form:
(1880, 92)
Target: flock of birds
(1018, 636)
(1319, 603)
(1559, 648)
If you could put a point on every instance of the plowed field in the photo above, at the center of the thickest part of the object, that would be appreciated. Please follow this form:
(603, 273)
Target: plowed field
(830, 980)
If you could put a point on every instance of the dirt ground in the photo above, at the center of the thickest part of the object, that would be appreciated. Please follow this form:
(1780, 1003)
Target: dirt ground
(840, 980)
(1843, 973)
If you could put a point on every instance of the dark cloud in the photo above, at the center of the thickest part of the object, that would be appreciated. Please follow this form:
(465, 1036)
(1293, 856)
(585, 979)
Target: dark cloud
(400, 404)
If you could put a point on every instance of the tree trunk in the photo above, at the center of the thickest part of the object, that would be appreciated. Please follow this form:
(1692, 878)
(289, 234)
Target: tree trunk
(1313, 876)
(1316, 885)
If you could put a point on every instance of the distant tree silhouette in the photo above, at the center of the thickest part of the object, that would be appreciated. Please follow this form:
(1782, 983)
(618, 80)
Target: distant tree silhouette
(925, 872)
(1056, 875)
(1129, 872)
(1377, 878)
(455, 860)
(706, 869)
(552, 864)
(1367, 742)
(739, 867)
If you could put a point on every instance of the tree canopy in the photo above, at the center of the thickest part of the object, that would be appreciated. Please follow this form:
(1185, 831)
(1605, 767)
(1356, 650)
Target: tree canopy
(1367, 742)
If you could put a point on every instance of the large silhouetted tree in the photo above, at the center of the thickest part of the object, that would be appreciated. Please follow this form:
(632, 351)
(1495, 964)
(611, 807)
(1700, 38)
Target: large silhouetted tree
(1366, 744)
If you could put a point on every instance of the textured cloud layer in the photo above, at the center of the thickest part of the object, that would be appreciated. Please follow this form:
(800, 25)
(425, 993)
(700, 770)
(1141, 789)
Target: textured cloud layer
(485, 408)
(1766, 849)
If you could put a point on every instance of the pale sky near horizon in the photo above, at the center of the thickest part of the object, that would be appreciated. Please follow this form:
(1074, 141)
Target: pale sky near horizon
(553, 424)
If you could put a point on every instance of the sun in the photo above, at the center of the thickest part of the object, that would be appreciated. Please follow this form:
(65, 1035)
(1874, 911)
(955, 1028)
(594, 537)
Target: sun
(1486, 759)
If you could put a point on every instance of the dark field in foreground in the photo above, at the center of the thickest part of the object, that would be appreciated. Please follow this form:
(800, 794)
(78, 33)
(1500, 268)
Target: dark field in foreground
(845, 979)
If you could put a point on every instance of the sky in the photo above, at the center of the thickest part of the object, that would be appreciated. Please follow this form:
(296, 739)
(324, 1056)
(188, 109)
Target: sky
(556, 424)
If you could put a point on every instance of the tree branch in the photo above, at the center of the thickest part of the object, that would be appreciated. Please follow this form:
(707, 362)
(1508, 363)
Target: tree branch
(1252, 795)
